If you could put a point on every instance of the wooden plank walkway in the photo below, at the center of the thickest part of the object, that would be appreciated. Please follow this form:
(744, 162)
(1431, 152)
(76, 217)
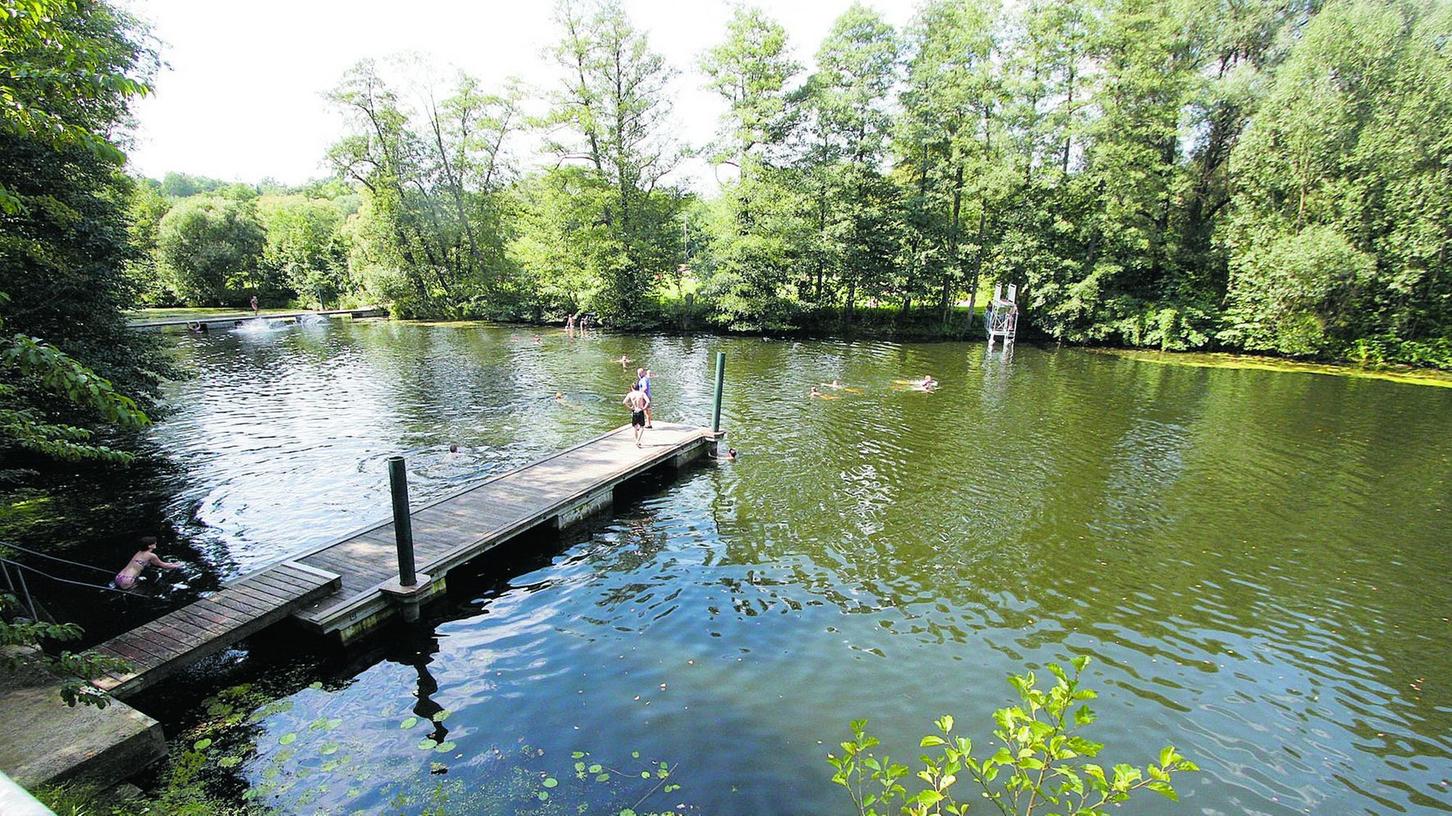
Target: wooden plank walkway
(227, 320)
(457, 528)
(166, 645)
(338, 588)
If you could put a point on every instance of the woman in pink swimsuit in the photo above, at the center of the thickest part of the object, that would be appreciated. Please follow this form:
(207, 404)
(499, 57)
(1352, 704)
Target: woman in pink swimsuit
(145, 557)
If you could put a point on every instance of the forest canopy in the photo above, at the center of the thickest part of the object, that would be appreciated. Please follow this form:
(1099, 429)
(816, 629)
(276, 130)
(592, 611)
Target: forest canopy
(1261, 176)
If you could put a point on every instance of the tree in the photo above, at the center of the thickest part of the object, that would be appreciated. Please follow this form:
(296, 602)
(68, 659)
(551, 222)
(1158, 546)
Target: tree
(612, 115)
(1344, 167)
(949, 143)
(758, 226)
(304, 246)
(67, 73)
(208, 250)
(850, 94)
(433, 183)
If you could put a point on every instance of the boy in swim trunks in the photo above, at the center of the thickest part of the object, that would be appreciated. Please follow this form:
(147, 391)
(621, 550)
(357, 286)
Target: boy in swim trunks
(637, 402)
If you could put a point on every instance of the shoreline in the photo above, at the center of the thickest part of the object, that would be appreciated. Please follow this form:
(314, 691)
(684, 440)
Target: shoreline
(1408, 375)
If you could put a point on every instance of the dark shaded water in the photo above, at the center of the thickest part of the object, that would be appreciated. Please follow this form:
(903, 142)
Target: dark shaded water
(1258, 562)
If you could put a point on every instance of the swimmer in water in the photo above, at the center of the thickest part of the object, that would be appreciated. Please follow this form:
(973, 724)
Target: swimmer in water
(835, 383)
(815, 392)
(624, 361)
(559, 396)
(453, 447)
(729, 456)
(927, 383)
(145, 557)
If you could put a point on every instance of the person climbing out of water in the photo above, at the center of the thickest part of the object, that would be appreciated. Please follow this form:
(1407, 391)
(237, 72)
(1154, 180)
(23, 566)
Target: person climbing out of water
(638, 403)
(570, 325)
(642, 378)
(144, 557)
(255, 311)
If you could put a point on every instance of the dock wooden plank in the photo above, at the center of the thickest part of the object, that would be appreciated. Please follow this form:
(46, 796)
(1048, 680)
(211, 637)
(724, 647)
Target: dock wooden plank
(474, 519)
(165, 645)
(333, 585)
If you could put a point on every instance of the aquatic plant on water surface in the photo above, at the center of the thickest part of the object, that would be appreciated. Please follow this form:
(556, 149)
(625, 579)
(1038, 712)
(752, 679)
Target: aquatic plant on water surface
(1039, 766)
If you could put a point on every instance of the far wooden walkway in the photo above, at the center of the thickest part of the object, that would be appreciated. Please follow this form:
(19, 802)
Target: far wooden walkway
(228, 320)
(175, 640)
(339, 588)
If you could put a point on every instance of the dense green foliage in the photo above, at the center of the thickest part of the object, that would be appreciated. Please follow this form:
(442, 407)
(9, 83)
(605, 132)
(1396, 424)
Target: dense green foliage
(1249, 175)
(67, 73)
(1040, 762)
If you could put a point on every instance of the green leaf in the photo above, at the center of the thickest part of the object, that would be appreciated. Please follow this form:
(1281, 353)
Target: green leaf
(287, 739)
(931, 740)
(230, 761)
(202, 744)
(446, 746)
(315, 685)
(427, 744)
(408, 723)
(596, 768)
(440, 716)
(1163, 789)
(550, 782)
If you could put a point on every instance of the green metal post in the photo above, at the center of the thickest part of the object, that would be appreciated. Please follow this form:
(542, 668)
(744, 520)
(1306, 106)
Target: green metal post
(402, 521)
(720, 380)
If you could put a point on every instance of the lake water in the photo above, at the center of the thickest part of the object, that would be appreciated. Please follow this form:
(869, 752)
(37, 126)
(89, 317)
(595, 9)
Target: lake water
(1257, 562)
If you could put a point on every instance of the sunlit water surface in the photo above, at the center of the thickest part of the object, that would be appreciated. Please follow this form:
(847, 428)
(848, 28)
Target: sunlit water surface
(1258, 563)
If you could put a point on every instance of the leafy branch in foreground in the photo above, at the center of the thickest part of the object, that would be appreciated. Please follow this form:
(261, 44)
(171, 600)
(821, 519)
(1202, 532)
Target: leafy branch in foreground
(1038, 768)
(74, 670)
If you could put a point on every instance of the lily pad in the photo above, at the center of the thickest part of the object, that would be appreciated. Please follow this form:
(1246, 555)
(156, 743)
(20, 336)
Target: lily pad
(550, 782)
(287, 739)
(445, 747)
(202, 744)
(408, 723)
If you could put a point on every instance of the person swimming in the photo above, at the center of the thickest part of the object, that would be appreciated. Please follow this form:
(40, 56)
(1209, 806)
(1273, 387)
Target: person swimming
(559, 396)
(145, 557)
(927, 383)
(815, 392)
(624, 361)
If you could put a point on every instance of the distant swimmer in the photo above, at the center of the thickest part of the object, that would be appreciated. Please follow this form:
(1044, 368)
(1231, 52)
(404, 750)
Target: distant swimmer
(730, 456)
(833, 384)
(453, 447)
(815, 392)
(927, 383)
(145, 557)
(536, 339)
(559, 396)
(624, 361)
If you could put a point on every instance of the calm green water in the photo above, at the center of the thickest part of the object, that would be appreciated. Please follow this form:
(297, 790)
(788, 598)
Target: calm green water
(1258, 562)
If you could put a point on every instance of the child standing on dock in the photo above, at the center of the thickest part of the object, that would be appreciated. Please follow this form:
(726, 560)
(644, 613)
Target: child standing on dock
(637, 402)
(642, 379)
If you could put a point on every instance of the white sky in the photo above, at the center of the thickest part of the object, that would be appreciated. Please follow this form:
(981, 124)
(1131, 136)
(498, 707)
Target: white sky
(241, 97)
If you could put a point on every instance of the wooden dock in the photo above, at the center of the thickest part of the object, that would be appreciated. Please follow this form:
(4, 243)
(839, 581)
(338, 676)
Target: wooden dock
(558, 490)
(221, 322)
(160, 648)
(347, 587)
